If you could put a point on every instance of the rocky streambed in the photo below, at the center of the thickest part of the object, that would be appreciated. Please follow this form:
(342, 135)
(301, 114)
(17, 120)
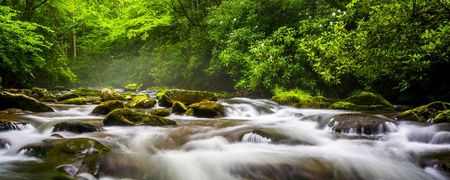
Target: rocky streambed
(177, 134)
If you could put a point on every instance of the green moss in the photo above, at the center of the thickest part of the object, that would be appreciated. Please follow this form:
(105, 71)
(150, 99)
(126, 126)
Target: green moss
(208, 109)
(364, 101)
(126, 117)
(108, 106)
(94, 100)
(77, 101)
(68, 95)
(426, 112)
(109, 94)
(443, 117)
(160, 112)
(179, 108)
(133, 87)
(301, 99)
(142, 101)
(10, 100)
(166, 98)
(87, 92)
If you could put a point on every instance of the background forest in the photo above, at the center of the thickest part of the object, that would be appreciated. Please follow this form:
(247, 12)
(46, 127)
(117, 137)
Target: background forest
(399, 48)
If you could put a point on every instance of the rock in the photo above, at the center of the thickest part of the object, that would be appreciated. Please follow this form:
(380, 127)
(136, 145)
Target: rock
(207, 109)
(142, 101)
(85, 153)
(77, 101)
(160, 112)
(361, 124)
(69, 95)
(93, 100)
(179, 108)
(134, 87)
(306, 102)
(10, 100)
(109, 94)
(11, 111)
(126, 117)
(87, 92)
(75, 127)
(166, 98)
(426, 113)
(4, 143)
(7, 125)
(108, 106)
(364, 101)
(443, 117)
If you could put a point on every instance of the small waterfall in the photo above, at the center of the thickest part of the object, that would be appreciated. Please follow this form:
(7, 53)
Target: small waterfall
(15, 126)
(255, 138)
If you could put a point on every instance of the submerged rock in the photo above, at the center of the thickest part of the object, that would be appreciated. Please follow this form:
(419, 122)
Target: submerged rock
(10, 100)
(207, 109)
(361, 124)
(126, 117)
(142, 101)
(364, 101)
(435, 112)
(85, 153)
(76, 101)
(108, 94)
(179, 108)
(75, 127)
(108, 106)
(166, 98)
(160, 112)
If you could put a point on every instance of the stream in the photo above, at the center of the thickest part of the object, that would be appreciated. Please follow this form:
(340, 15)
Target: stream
(257, 139)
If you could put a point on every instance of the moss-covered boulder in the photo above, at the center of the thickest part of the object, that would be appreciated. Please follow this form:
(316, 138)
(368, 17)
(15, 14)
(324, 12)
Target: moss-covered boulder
(126, 117)
(107, 106)
(93, 100)
(10, 100)
(109, 94)
(301, 99)
(179, 108)
(208, 109)
(76, 127)
(68, 95)
(134, 87)
(167, 97)
(76, 101)
(84, 153)
(364, 101)
(142, 101)
(160, 112)
(427, 113)
(86, 92)
(361, 124)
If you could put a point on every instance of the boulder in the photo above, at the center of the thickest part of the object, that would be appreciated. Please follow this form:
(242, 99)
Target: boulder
(208, 109)
(179, 108)
(166, 98)
(361, 124)
(364, 101)
(86, 92)
(107, 106)
(68, 95)
(126, 117)
(109, 94)
(75, 127)
(142, 101)
(10, 100)
(427, 113)
(85, 153)
(76, 101)
(160, 112)
(134, 87)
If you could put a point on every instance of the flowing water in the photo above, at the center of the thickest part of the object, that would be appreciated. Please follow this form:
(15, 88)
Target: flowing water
(258, 139)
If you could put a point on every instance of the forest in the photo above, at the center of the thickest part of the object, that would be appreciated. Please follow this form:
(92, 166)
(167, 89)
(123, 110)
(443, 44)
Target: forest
(333, 48)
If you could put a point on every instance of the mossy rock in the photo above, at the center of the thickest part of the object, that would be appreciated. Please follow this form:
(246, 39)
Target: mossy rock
(317, 102)
(76, 127)
(68, 95)
(360, 124)
(134, 87)
(208, 109)
(93, 100)
(160, 112)
(443, 117)
(107, 106)
(166, 98)
(364, 101)
(142, 101)
(126, 117)
(108, 94)
(87, 92)
(179, 108)
(76, 101)
(426, 113)
(10, 100)
(85, 153)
